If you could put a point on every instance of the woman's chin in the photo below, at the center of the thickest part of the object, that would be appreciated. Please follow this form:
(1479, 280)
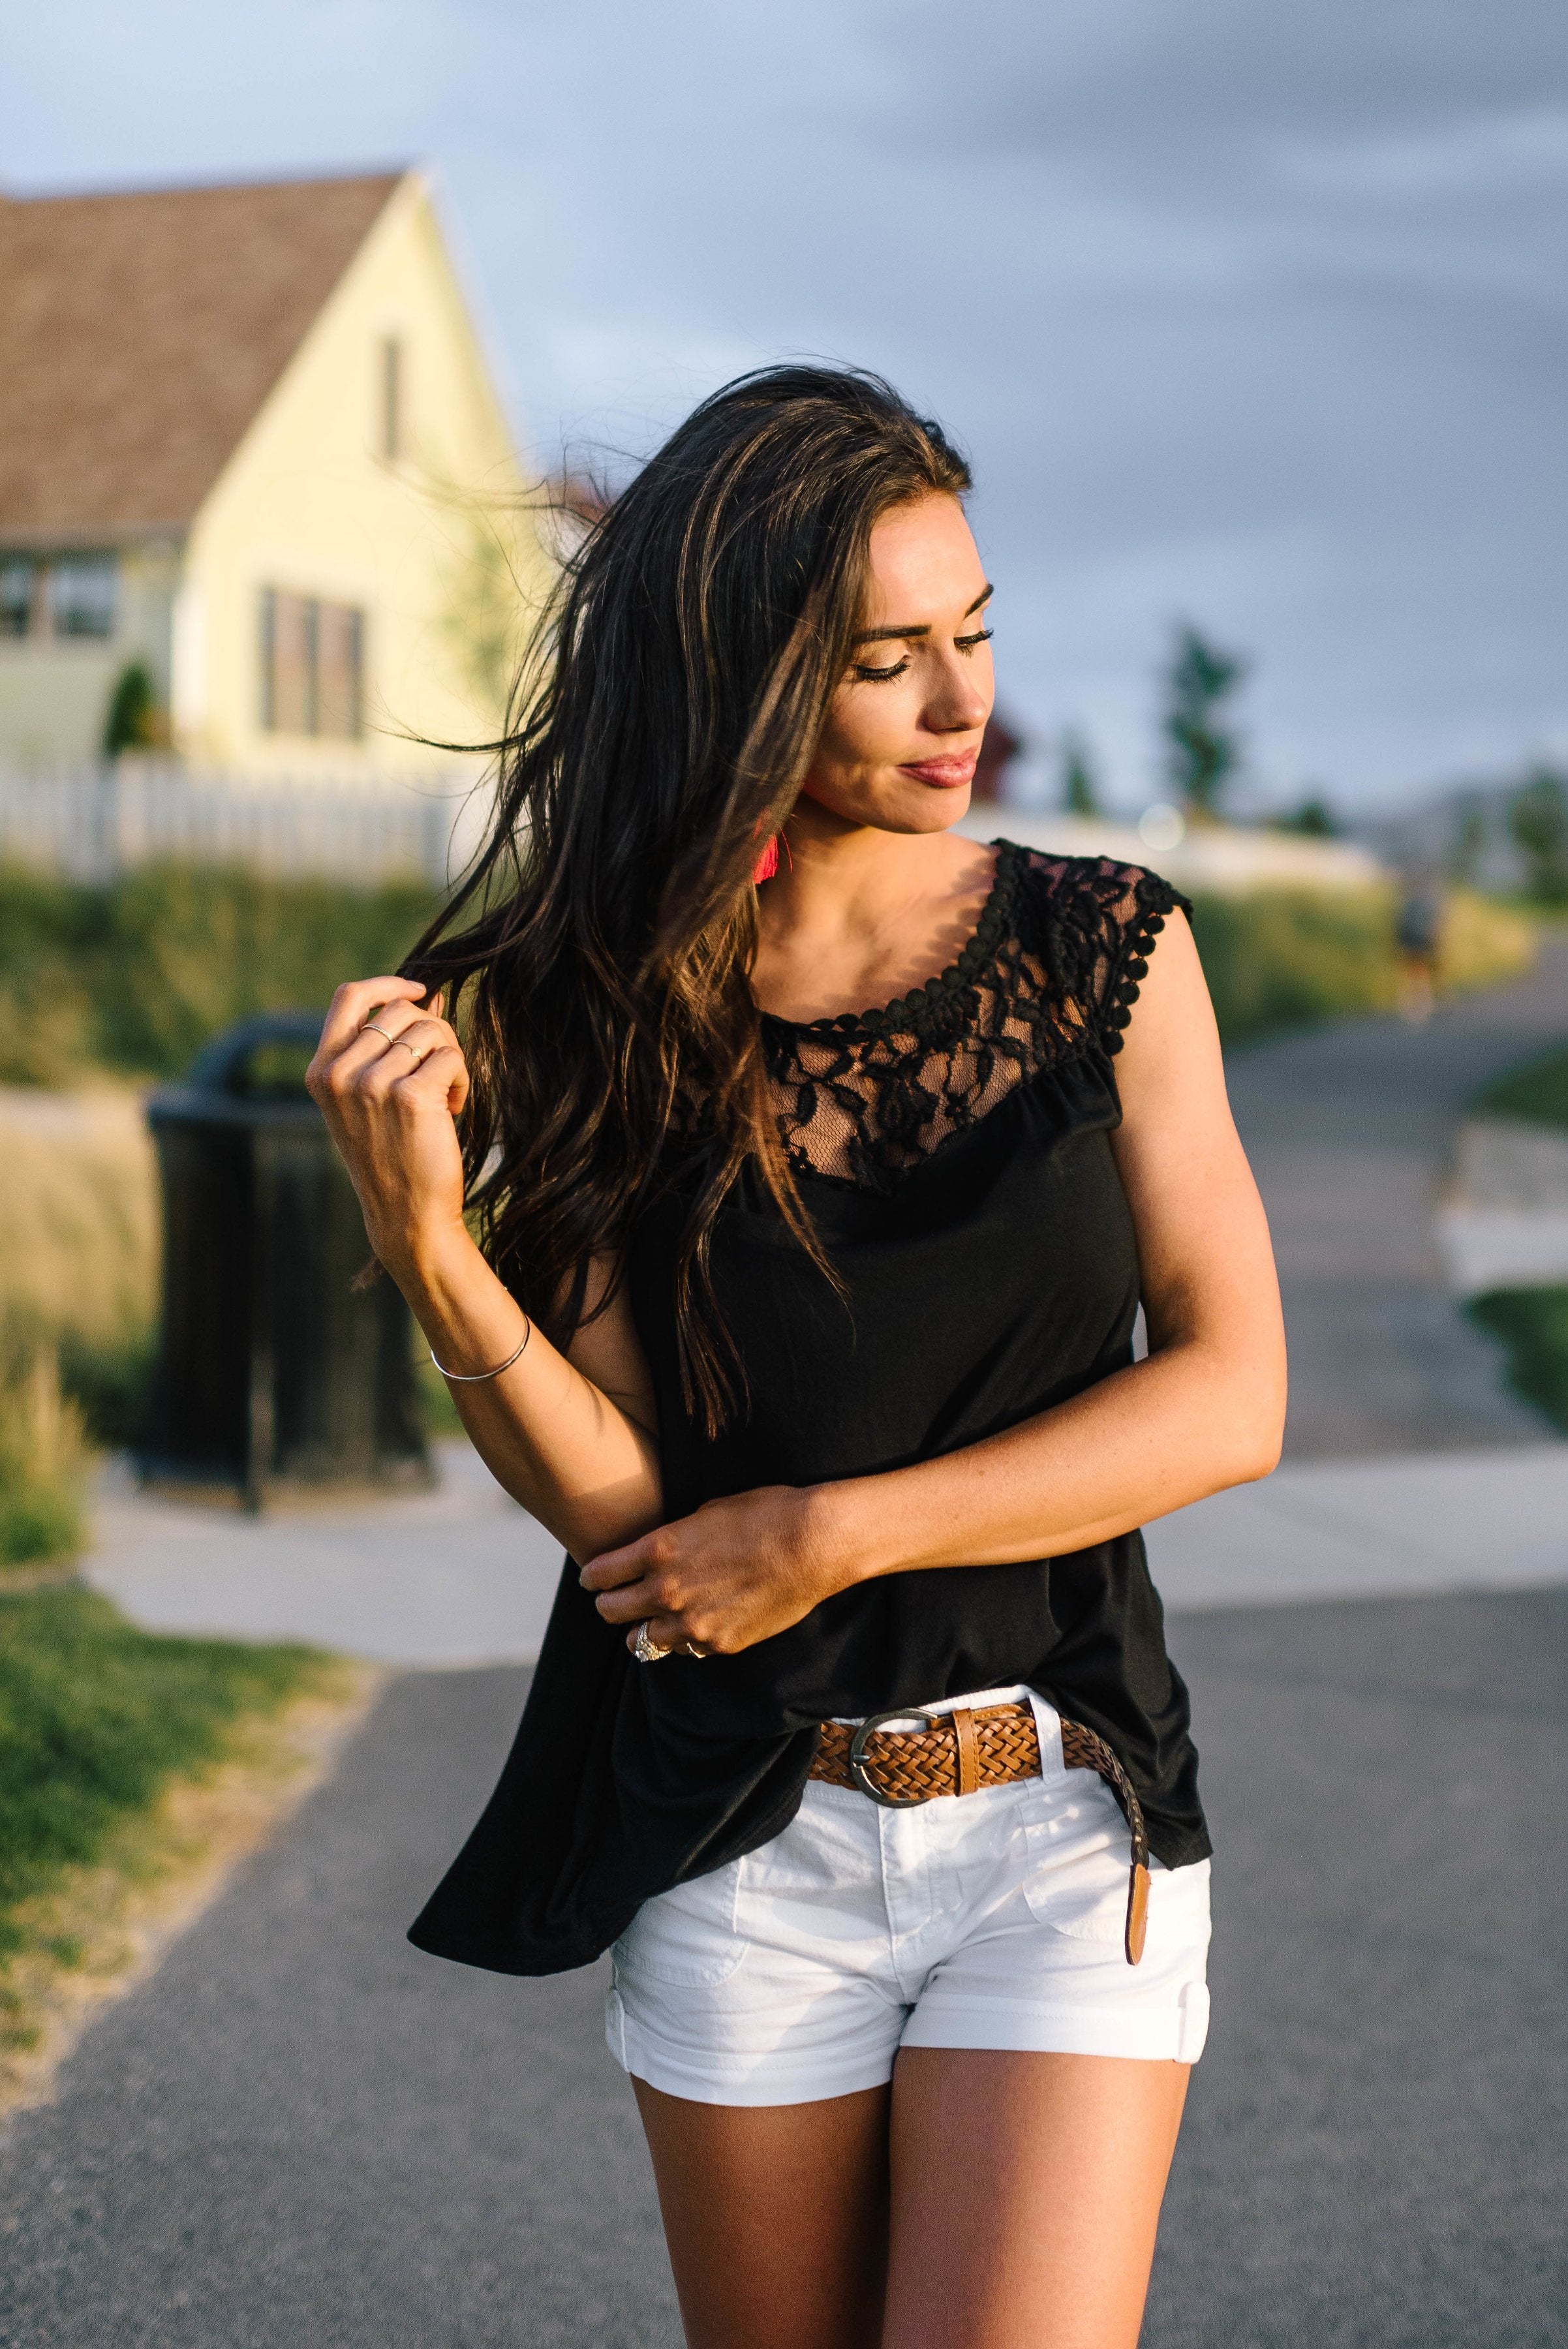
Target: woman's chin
(901, 805)
(913, 807)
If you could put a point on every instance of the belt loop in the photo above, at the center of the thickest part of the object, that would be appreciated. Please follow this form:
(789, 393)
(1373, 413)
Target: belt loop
(967, 1750)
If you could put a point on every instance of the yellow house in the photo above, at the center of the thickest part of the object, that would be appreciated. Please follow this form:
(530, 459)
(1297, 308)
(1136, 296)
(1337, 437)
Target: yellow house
(250, 443)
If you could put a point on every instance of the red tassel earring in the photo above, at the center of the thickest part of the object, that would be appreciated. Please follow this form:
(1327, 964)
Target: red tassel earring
(767, 863)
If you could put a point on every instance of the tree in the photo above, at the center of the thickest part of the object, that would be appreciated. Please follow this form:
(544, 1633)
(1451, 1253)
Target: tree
(1538, 819)
(1080, 781)
(1203, 747)
(1314, 819)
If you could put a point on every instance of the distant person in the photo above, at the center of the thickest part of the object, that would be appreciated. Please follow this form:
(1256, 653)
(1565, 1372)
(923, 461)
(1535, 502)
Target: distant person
(807, 1327)
(1417, 933)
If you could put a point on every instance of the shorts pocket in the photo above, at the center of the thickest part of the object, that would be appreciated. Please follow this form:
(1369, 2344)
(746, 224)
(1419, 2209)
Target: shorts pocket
(1087, 1900)
(688, 1936)
(1078, 1856)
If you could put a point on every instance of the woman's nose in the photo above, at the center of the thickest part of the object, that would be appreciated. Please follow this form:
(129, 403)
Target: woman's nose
(961, 703)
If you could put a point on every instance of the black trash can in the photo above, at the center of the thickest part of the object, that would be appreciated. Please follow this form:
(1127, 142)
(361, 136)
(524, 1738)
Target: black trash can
(275, 1375)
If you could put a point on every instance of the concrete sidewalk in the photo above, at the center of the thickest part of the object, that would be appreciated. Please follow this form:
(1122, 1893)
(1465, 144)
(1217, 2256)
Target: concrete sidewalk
(456, 1576)
(462, 1576)
(1333, 1529)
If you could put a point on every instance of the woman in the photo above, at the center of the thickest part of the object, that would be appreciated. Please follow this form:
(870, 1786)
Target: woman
(807, 1329)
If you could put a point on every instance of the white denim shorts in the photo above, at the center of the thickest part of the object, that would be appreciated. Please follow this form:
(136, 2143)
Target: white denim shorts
(992, 1920)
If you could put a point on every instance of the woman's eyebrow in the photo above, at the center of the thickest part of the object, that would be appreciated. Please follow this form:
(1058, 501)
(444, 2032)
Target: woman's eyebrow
(923, 628)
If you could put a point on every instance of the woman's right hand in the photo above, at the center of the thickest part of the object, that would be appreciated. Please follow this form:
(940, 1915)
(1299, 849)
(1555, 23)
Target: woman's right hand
(389, 1092)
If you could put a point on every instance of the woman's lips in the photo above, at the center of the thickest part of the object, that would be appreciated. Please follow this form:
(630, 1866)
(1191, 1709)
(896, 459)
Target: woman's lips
(949, 774)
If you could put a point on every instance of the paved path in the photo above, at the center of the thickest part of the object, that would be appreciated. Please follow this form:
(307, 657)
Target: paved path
(1349, 1131)
(302, 2134)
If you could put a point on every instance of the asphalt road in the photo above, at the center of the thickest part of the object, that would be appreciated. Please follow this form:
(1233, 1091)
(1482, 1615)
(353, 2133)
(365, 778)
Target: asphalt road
(303, 2135)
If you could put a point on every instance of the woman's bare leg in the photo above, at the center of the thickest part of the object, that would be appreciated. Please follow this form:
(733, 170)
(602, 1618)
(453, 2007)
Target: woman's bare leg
(1025, 2196)
(776, 2218)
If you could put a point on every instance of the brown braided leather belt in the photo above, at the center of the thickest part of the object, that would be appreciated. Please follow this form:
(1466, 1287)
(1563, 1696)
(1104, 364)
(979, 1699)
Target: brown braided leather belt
(958, 1752)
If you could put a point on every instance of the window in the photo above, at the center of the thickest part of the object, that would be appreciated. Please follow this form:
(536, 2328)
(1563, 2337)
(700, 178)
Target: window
(339, 669)
(392, 397)
(16, 591)
(312, 666)
(81, 595)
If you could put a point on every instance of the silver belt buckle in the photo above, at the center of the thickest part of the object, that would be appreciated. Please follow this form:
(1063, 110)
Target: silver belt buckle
(858, 1770)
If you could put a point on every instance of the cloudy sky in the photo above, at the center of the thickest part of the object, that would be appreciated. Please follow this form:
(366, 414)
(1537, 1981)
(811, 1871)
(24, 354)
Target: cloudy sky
(1247, 313)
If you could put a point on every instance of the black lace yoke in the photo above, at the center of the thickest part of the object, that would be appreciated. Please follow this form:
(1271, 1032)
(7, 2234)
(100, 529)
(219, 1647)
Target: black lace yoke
(953, 1151)
(1053, 966)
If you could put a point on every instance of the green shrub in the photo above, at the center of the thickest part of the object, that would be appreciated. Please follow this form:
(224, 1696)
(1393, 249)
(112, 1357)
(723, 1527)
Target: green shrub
(1281, 958)
(1533, 1325)
(135, 721)
(96, 1716)
(136, 976)
(110, 1384)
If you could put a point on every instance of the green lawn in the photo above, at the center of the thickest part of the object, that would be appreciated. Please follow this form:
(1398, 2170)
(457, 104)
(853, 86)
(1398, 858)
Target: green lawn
(1538, 1093)
(1533, 1325)
(96, 1716)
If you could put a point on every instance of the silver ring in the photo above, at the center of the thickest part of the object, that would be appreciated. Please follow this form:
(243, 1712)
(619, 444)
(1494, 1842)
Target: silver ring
(646, 1651)
(374, 1031)
(698, 1655)
(418, 1050)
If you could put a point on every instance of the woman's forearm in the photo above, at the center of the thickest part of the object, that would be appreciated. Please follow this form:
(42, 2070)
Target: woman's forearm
(1198, 1415)
(571, 1453)
(1185, 1422)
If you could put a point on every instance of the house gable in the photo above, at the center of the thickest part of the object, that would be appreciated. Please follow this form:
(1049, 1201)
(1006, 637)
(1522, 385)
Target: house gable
(324, 525)
(140, 336)
(259, 424)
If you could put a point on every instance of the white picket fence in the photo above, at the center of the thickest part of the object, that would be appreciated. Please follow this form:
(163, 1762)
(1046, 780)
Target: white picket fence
(92, 824)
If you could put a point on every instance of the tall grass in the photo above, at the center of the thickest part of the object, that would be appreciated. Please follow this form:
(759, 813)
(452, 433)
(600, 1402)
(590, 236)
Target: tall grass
(78, 1277)
(42, 1453)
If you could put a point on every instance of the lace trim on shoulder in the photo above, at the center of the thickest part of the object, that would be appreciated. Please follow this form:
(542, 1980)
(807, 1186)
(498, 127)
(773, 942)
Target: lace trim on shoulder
(1154, 900)
(1051, 971)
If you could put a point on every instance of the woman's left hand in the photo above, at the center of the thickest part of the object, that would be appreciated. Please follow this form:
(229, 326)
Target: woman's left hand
(736, 1572)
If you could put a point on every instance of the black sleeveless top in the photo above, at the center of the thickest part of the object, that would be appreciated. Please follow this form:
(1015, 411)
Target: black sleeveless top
(954, 1152)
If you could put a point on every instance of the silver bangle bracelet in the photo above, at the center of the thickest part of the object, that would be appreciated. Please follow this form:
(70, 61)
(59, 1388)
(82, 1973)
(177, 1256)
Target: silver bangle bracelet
(477, 1378)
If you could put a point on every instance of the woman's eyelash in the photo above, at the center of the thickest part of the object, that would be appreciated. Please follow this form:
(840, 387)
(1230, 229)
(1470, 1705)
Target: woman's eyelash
(881, 675)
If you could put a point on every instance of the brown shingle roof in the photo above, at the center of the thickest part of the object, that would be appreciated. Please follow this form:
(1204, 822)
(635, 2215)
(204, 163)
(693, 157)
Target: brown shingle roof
(139, 334)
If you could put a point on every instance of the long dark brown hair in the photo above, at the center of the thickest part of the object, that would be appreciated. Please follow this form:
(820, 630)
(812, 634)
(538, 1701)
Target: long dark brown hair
(602, 942)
